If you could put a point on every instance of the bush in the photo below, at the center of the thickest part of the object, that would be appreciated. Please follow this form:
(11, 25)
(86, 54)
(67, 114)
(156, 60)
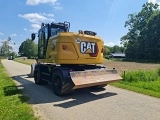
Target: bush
(158, 71)
(141, 75)
(107, 57)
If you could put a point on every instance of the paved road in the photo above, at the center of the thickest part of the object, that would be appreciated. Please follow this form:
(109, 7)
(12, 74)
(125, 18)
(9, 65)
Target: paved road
(84, 104)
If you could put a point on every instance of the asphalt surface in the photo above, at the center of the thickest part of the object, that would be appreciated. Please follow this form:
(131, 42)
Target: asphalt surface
(84, 104)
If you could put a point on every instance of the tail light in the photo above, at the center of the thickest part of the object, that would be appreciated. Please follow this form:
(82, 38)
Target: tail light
(63, 47)
(96, 51)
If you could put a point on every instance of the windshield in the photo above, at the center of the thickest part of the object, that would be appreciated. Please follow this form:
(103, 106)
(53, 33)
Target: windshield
(55, 31)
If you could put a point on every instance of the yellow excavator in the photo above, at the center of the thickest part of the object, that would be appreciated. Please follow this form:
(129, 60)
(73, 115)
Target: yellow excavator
(70, 60)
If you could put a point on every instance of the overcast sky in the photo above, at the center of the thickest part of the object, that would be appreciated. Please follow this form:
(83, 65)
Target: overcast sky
(19, 18)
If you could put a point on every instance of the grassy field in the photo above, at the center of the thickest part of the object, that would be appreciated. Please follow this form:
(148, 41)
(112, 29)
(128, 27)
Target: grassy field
(130, 66)
(13, 105)
(139, 77)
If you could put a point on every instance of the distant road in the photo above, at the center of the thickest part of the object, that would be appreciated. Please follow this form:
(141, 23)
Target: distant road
(84, 104)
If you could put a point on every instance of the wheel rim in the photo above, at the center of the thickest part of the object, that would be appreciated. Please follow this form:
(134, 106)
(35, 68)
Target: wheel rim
(57, 83)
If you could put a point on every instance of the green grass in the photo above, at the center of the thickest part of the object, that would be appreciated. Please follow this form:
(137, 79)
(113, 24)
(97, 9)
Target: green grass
(13, 105)
(21, 61)
(141, 81)
(137, 89)
(141, 75)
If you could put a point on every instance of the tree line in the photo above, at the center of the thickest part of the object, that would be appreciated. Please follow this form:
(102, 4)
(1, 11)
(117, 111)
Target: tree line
(28, 48)
(143, 38)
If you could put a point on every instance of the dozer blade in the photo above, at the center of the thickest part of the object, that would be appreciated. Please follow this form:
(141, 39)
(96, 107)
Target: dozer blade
(89, 78)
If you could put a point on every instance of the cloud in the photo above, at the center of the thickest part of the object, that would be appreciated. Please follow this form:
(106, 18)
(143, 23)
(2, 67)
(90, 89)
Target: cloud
(13, 35)
(57, 7)
(111, 44)
(37, 19)
(49, 15)
(54, 3)
(33, 17)
(1, 33)
(36, 2)
(154, 1)
(13, 45)
(25, 29)
(35, 27)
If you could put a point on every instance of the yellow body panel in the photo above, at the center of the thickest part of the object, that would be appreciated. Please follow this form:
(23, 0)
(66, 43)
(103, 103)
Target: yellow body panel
(66, 48)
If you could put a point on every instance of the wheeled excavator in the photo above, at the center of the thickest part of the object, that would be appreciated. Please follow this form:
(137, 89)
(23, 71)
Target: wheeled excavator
(70, 60)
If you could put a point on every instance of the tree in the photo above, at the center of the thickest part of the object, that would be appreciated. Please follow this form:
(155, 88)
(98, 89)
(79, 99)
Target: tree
(153, 34)
(115, 49)
(137, 40)
(28, 48)
(21, 49)
(106, 51)
(5, 49)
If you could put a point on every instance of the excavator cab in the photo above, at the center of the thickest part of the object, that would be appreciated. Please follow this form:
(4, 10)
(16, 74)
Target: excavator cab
(46, 32)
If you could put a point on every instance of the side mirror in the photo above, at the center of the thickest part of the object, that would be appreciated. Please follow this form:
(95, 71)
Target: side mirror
(33, 35)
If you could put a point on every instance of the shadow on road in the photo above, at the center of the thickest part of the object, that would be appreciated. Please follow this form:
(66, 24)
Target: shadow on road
(82, 96)
(39, 94)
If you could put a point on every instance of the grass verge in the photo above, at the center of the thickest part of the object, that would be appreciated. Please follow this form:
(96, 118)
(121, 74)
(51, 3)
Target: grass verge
(141, 81)
(26, 61)
(13, 105)
(137, 89)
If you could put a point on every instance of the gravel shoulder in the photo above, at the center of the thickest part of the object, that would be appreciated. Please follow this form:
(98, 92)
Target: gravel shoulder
(111, 103)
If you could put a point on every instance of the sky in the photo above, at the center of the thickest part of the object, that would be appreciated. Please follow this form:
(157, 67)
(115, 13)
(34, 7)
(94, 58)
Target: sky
(20, 18)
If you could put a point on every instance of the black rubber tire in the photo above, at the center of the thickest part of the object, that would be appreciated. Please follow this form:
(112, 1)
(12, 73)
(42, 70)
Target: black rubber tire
(38, 76)
(57, 82)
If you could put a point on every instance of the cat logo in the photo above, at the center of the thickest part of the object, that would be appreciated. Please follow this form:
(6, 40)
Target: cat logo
(88, 47)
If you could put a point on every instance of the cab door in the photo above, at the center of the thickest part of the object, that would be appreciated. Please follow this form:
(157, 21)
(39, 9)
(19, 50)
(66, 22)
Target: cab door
(42, 42)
